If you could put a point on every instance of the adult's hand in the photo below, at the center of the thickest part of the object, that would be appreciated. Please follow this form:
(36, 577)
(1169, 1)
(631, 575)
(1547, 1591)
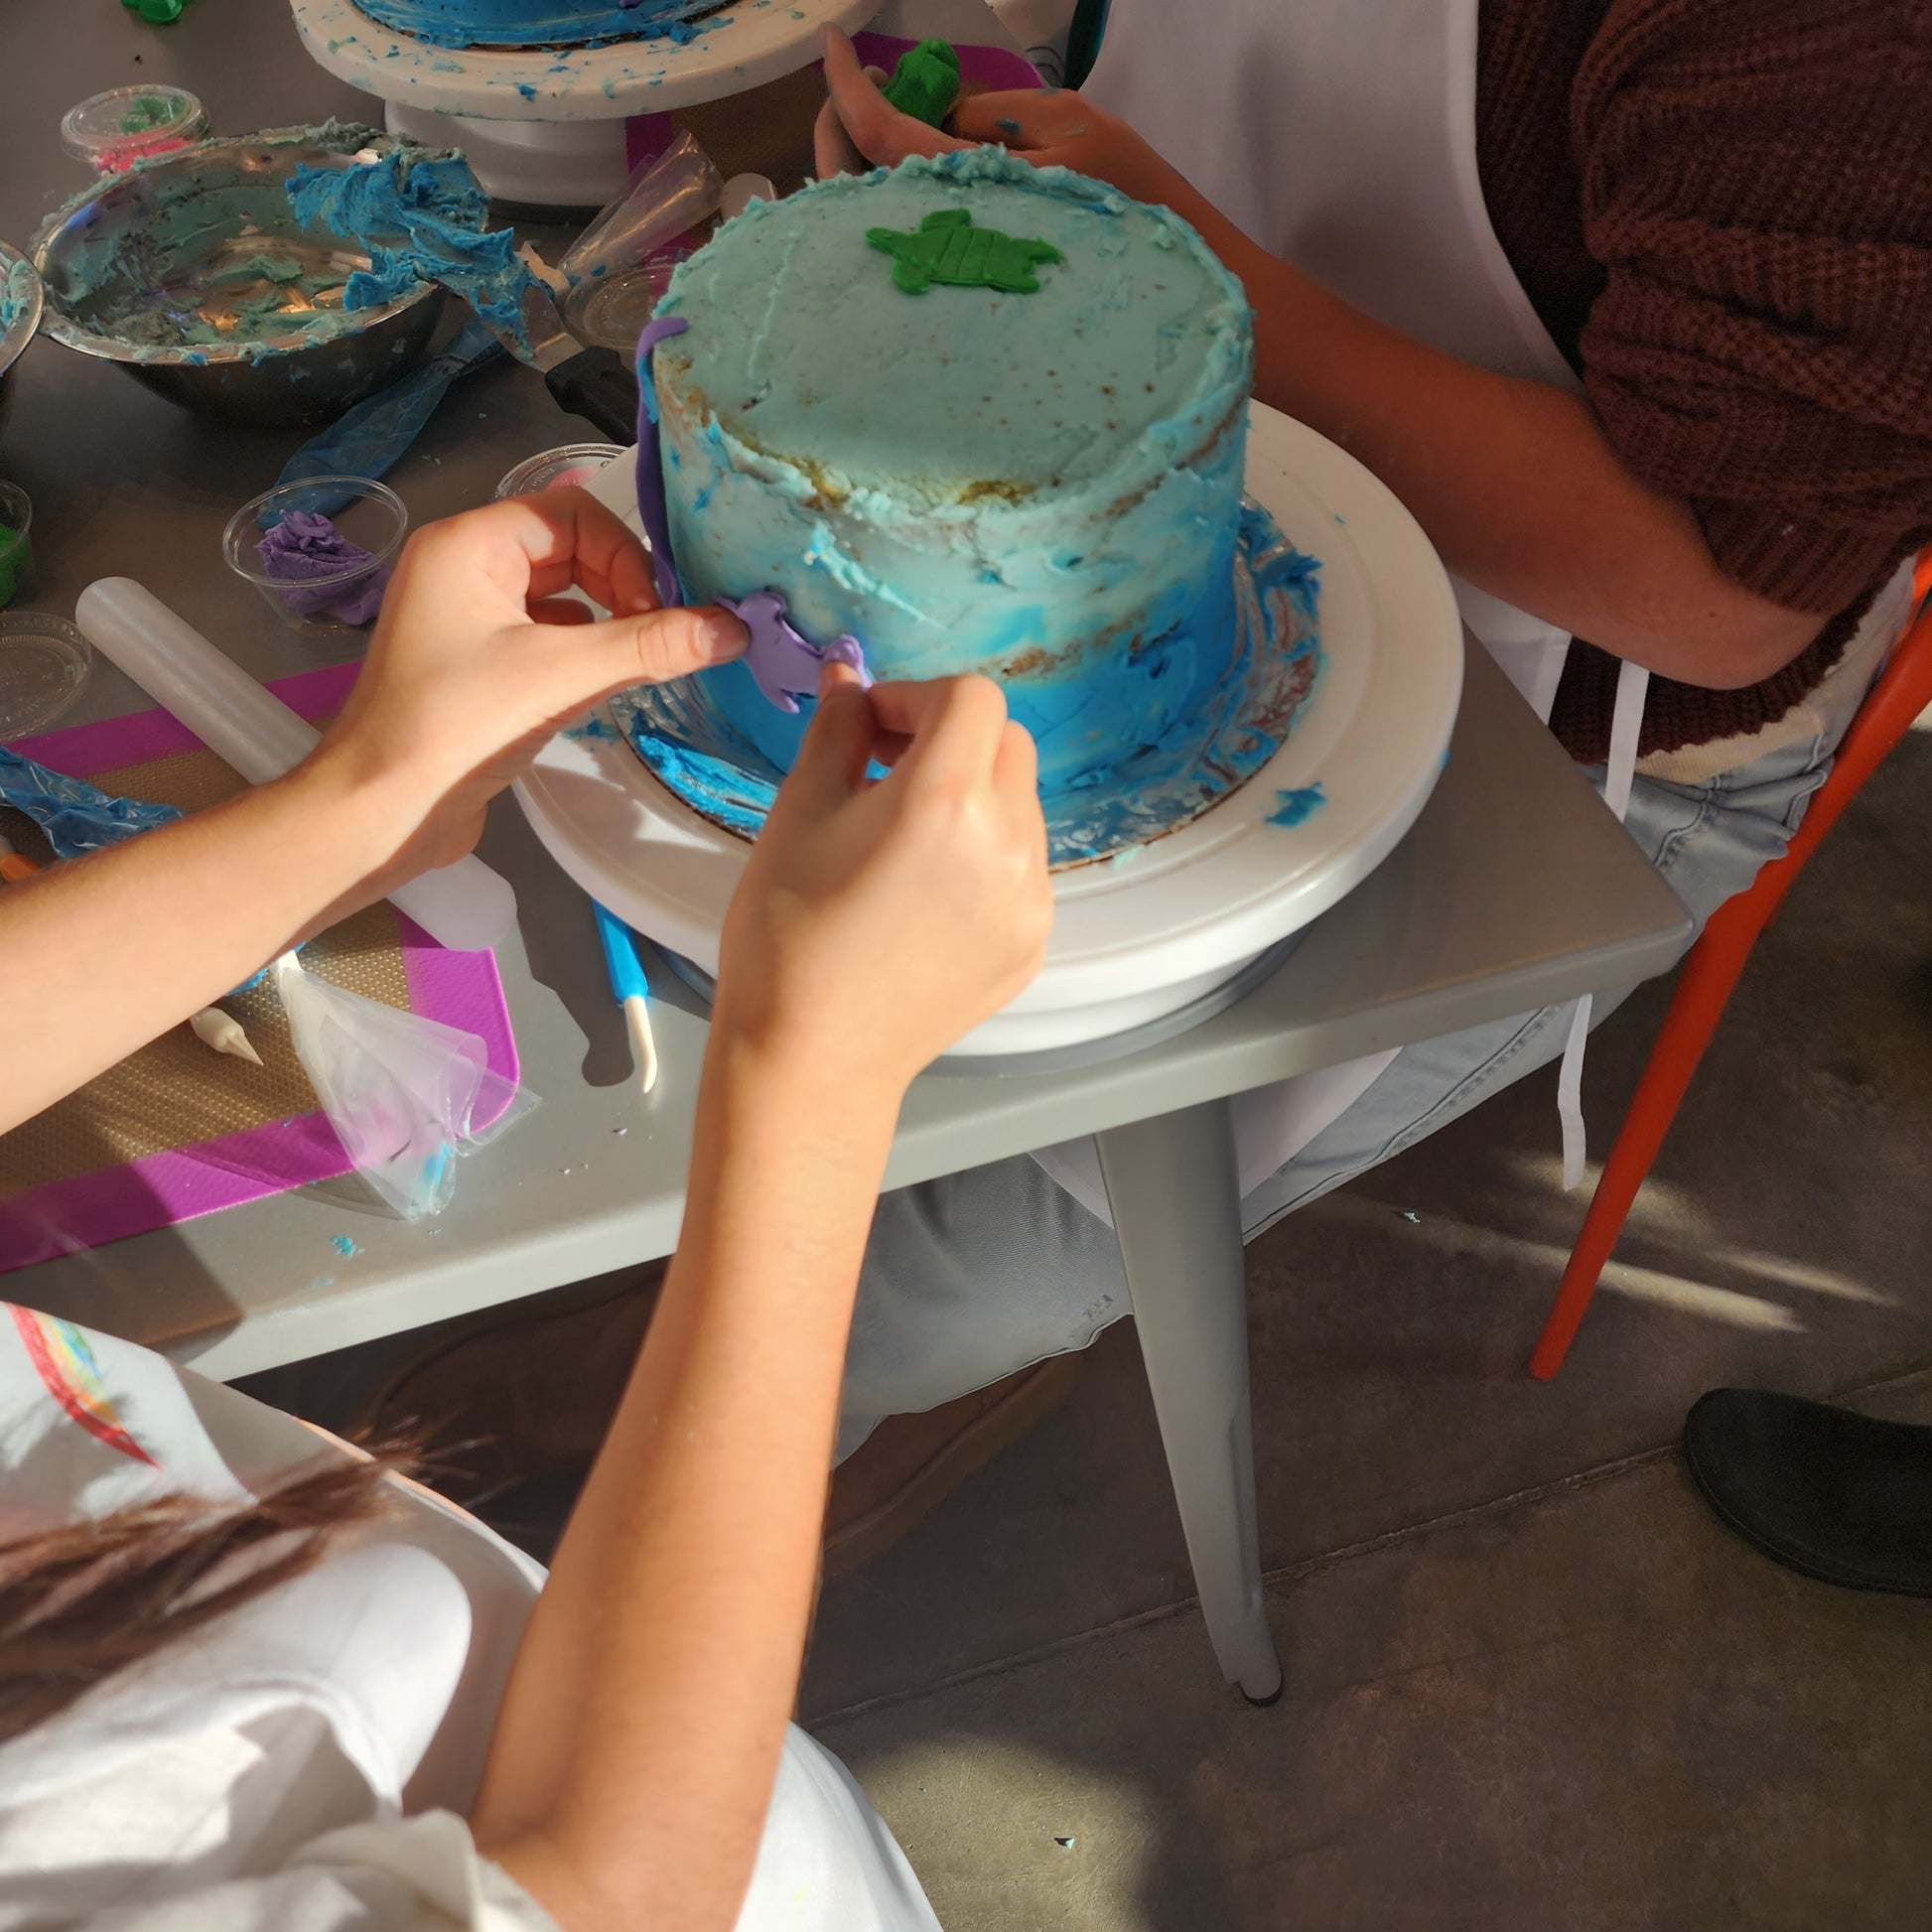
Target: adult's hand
(1050, 128)
(878, 921)
(478, 657)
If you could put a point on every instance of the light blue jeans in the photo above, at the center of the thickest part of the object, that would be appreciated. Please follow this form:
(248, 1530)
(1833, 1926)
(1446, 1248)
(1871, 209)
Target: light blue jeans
(980, 1273)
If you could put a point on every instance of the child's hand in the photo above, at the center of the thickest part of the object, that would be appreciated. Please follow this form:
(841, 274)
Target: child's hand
(477, 659)
(878, 922)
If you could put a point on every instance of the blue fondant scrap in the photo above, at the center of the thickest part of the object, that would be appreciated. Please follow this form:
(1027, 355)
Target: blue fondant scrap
(1297, 807)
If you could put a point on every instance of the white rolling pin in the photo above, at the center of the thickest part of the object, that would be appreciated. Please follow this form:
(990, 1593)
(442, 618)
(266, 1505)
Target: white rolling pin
(466, 907)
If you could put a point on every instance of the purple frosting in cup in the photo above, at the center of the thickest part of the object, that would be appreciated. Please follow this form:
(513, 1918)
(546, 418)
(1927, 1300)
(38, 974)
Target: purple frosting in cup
(337, 578)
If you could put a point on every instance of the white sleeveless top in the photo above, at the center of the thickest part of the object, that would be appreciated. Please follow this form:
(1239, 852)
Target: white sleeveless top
(308, 1759)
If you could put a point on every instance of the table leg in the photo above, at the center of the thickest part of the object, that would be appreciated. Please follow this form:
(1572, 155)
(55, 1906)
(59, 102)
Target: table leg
(1171, 1183)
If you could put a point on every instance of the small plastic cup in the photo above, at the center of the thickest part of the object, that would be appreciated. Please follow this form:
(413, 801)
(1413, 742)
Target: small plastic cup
(114, 131)
(570, 463)
(16, 544)
(304, 593)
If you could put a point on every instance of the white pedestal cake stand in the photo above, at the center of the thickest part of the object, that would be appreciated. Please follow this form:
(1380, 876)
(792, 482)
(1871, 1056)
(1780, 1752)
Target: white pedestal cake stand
(545, 125)
(1153, 933)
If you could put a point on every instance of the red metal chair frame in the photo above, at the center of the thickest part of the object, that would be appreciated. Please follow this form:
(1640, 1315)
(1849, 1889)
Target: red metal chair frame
(1711, 968)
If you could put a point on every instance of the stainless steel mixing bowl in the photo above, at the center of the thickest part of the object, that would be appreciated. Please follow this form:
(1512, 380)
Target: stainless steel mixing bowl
(201, 242)
(20, 332)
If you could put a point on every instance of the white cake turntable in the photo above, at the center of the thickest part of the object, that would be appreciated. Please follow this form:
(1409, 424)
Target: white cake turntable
(546, 126)
(1164, 933)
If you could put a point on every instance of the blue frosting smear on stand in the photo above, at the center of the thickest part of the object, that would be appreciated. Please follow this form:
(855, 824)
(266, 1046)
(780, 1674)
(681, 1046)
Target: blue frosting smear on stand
(1297, 807)
(541, 23)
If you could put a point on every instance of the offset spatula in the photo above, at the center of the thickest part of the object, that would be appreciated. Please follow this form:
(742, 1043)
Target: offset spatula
(594, 383)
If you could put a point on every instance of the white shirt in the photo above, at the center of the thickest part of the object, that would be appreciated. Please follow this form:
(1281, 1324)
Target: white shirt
(304, 1763)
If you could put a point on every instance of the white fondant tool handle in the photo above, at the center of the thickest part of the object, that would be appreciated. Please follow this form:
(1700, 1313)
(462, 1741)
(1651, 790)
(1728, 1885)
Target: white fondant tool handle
(466, 907)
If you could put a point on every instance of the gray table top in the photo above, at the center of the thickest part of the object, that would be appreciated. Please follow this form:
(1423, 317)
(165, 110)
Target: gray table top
(1514, 889)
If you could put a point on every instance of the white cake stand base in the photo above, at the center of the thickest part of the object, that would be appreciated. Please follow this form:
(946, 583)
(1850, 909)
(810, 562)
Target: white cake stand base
(547, 127)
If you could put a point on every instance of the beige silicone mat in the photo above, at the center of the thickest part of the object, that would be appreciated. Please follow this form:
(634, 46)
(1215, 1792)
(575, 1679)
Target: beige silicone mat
(176, 1092)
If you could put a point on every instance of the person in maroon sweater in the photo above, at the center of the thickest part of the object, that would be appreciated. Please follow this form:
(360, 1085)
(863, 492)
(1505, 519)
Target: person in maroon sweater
(1630, 302)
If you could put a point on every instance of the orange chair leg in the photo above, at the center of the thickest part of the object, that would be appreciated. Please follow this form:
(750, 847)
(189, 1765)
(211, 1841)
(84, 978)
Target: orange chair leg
(1711, 971)
(1711, 968)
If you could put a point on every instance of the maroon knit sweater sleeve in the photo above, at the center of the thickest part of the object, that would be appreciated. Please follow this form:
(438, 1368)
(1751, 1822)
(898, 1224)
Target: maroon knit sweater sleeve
(1756, 183)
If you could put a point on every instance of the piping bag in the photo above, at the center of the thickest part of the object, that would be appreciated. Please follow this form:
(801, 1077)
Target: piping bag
(371, 438)
(402, 1092)
(76, 818)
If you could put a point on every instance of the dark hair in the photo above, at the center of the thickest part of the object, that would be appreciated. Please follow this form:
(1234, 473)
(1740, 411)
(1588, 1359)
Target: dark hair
(85, 1600)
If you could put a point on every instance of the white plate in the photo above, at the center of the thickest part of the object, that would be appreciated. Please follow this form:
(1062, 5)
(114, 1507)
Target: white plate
(761, 41)
(1140, 934)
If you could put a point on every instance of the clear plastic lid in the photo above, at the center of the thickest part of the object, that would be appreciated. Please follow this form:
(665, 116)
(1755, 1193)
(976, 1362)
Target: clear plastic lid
(571, 463)
(112, 131)
(611, 313)
(44, 667)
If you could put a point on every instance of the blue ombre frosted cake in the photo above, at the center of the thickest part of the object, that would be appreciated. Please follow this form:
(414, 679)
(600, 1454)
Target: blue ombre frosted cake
(541, 23)
(1041, 485)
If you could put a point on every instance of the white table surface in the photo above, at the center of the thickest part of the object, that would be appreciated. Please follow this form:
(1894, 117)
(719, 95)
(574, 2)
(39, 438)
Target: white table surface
(1514, 889)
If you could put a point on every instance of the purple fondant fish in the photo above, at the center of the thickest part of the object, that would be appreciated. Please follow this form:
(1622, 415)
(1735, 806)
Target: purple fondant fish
(783, 664)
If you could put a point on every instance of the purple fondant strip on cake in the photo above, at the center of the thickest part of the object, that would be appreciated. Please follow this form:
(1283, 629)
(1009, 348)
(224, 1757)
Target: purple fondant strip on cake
(783, 664)
(651, 463)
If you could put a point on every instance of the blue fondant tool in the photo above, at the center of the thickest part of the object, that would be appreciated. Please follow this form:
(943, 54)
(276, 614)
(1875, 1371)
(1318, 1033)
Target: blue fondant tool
(631, 987)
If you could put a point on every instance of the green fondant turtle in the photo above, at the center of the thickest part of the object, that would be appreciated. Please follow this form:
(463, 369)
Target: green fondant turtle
(947, 247)
(925, 81)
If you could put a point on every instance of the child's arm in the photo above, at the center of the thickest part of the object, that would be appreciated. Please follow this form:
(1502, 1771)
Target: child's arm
(633, 1758)
(469, 672)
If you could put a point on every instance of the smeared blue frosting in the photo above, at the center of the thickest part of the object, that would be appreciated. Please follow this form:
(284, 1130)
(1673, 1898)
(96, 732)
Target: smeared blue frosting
(697, 747)
(17, 287)
(541, 23)
(1042, 486)
(1297, 807)
(218, 231)
(423, 216)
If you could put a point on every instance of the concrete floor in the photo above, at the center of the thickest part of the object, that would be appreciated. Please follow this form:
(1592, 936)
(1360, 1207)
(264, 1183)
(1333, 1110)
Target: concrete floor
(1530, 1683)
